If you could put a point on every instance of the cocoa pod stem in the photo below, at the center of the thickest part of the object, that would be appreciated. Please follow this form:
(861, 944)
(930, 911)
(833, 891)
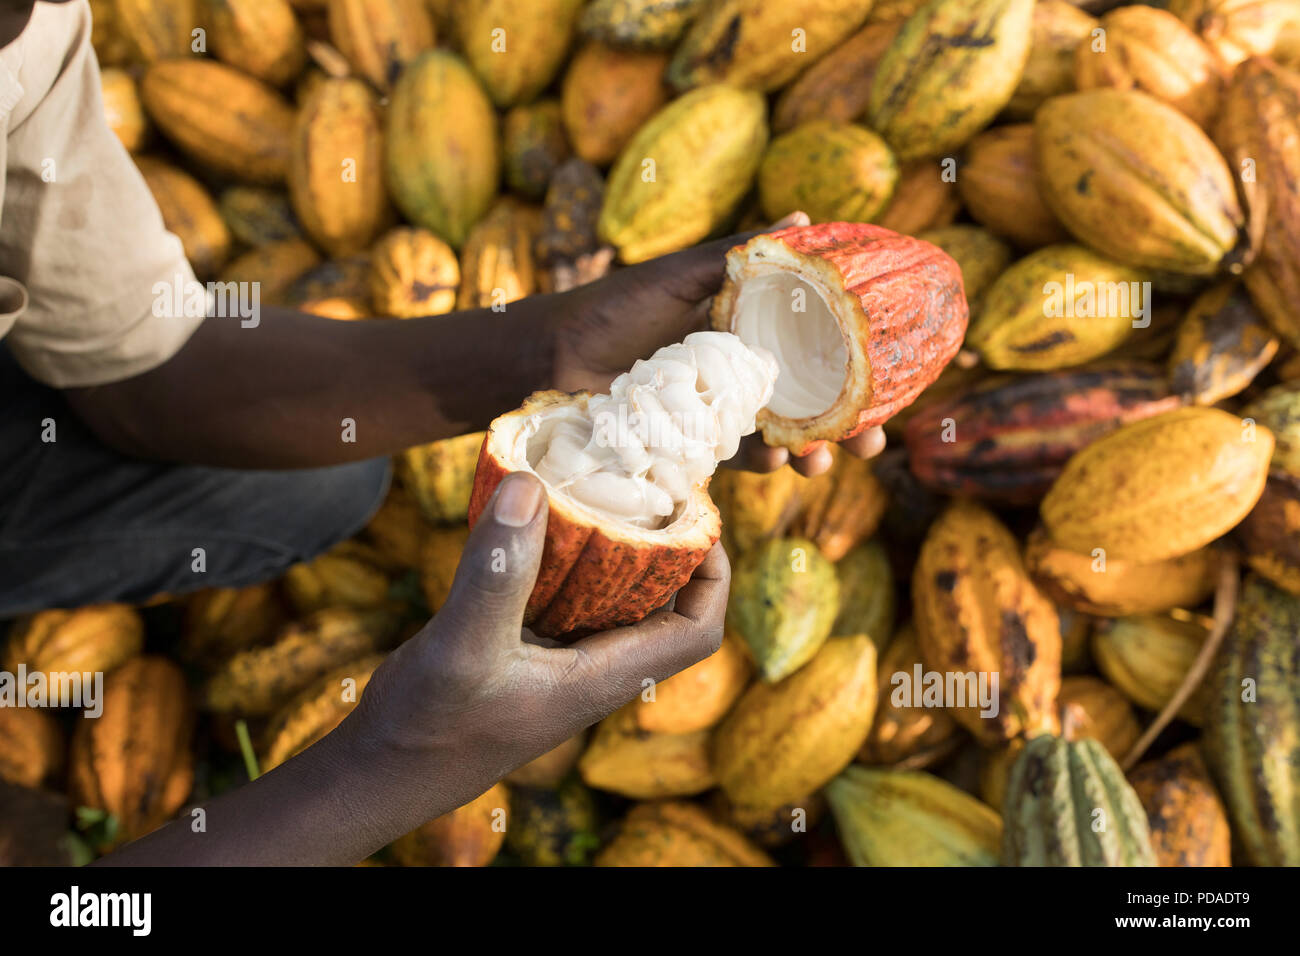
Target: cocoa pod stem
(1225, 609)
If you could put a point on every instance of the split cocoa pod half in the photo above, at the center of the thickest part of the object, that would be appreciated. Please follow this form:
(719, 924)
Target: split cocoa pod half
(627, 473)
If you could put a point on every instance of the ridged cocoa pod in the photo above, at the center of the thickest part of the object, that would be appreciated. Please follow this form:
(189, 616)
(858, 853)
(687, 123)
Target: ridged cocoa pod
(220, 622)
(516, 50)
(665, 192)
(999, 183)
(224, 120)
(413, 273)
(1189, 825)
(379, 37)
(608, 94)
(950, 70)
(900, 731)
(568, 248)
(98, 637)
(551, 767)
(771, 828)
(1111, 587)
(497, 264)
(909, 818)
(123, 109)
(1147, 656)
(441, 476)
(1270, 534)
(443, 155)
(134, 761)
(698, 697)
(31, 746)
(106, 39)
(753, 43)
(1152, 51)
(1068, 804)
(262, 679)
(1172, 208)
(468, 836)
(275, 267)
(783, 741)
(981, 255)
(257, 215)
(156, 29)
(639, 24)
(1059, 27)
(1258, 131)
(1006, 439)
(840, 508)
(348, 575)
(1160, 487)
(1252, 739)
(439, 558)
(624, 759)
(1221, 346)
(977, 612)
(838, 86)
(260, 37)
(672, 833)
(533, 146)
(316, 710)
(398, 530)
(336, 181)
(188, 212)
(1278, 410)
(866, 594)
(553, 827)
(1238, 29)
(754, 506)
(833, 171)
(922, 200)
(784, 599)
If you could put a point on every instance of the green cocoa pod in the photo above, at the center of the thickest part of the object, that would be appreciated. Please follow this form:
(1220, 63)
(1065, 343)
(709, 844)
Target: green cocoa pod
(835, 172)
(866, 594)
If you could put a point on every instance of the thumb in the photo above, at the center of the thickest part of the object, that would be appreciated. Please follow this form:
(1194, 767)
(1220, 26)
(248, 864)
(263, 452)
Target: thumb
(499, 564)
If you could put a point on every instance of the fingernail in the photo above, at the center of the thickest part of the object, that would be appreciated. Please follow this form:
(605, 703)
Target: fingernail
(517, 501)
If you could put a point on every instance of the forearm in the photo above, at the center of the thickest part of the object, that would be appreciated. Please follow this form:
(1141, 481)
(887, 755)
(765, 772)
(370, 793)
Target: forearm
(282, 394)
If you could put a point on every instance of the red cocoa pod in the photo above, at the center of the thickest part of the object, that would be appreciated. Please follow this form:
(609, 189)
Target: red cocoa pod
(880, 315)
(1007, 439)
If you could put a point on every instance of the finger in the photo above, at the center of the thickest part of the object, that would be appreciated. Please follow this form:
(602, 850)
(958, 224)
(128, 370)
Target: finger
(755, 456)
(499, 564)
(866, 444)
(796, 218)
(815, 462)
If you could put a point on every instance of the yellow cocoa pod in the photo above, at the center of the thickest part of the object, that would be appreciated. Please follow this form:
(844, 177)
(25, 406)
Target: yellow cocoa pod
(1151, 50)
(1238, 29)
(336, 181)
(624, 759)
(156, 29)
(950, 70)
(122, 108)
(1146, 657)
(757, 44)
(1058, 307)
(260, 37)
(999, 184)
(639, 24)
(441, 476)
(1188, 822)
(379, 37)
(516, 49)
(866, 594)
(348, 575)
(256, 215)
(754, 506)
(260, 680)
(551, 767)
(442, 150)
(1160, 487)
(922, 200)
(31, 746)
(683, 172)
(413, 273)
(977, 613)
(785, 740)
(98, 637)
(398, 530)
(842, 507)
(1059, 27)
(698, 697)
(768, 827)
(900, 731)
(221, 118)
(1097, 584)
(190, 213)
(1222, 344)
(533, 146)
(835, 172)
(468, 836)
(982, 257)
(672, 833)
(439, 558)
(220, 622)
(274, 266)
(316, 710)
(106, 37)
(608, 94)
(497, 264)
(838, 86)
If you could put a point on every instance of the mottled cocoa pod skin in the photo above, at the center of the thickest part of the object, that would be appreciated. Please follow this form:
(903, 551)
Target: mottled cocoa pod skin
(1189, 826)
(1221, 346)
(670, 833)
(1270, 534)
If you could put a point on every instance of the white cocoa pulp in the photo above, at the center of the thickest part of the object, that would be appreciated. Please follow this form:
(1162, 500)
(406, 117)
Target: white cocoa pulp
(637, 453)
